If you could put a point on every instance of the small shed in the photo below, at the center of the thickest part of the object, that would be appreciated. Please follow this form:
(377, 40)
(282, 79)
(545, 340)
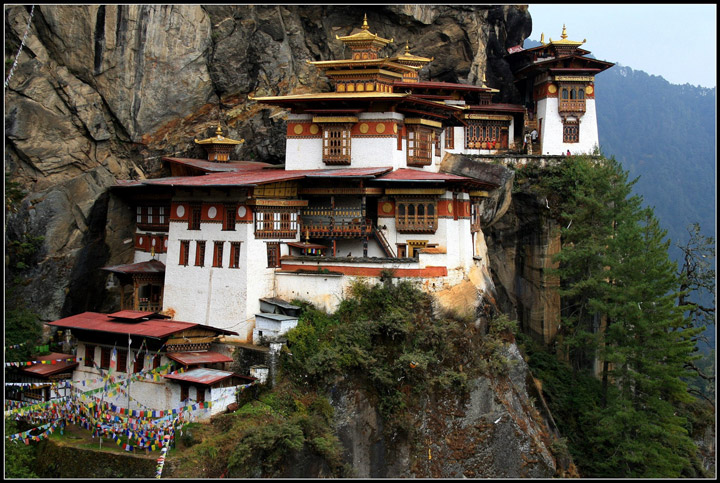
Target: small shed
(275, 305)
(271, 326)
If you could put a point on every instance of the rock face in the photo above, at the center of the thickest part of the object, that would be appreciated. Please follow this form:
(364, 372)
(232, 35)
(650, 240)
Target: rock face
(493, 432)
(102, 92)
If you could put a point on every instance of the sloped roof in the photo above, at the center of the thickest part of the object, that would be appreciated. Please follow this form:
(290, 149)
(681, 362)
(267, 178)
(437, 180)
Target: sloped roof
(150, 266)
(155, 328)
(201, 376)
(45, 370)
(214, 166)
(190, 358)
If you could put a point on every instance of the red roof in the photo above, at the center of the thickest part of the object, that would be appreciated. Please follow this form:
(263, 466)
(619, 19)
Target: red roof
(407, 174)
(131, 314)
(214, 166)
(151, 266)
(155, 328)
(190, 358)
(44, 370)
(439, 85)
(201, 376)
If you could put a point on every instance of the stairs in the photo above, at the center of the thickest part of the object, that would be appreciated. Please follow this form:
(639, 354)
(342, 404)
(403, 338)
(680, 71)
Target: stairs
(383, 242)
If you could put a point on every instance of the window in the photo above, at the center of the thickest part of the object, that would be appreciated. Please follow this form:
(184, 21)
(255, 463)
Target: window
(152, 217)
(414, 247)
(122, 361)
(436, 138)
(401, 250)
(416, 216)
(139, 362)
(89, 355)
(485, 134)
(218, 254)
(156, 361)
(336, 144)
(200, 253)
(200, 394)
(571, 131)
(450, 137)
(184, 252)
(105, 353)
(194, 220)
(184, 393)
(419, 146)
(275, 224)
(273, 254)
(475, 214)
(234, 254)
(230, 216)
(572, 98)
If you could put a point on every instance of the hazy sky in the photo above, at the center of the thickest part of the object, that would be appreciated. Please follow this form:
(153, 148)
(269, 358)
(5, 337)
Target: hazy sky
(675, 41)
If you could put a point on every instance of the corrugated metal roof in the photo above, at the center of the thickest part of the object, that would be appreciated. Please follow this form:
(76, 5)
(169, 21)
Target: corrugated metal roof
(155, 328)
(214, 166)
(201, 376)
(151, 266)
(190, 358)
(131, 314)
(276, 317)
(44, 370)
(406, 174)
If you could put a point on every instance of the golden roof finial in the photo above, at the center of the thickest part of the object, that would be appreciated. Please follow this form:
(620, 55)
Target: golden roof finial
(542, 38)
(218, 132)
(407, 47)
(365, 25)
(483, 84)
(564, 33)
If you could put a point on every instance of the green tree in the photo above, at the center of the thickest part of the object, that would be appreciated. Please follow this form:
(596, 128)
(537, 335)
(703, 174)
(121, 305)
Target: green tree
(19, 458)
(621, 320)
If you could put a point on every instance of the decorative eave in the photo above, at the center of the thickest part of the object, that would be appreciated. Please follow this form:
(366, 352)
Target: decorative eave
(411, 59)
(563, 40)
(363, 37)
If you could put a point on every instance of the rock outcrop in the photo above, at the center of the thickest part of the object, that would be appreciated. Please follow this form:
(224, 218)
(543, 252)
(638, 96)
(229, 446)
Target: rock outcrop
(102, 92)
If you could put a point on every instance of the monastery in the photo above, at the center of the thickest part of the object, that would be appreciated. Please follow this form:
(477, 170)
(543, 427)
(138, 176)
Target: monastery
(226, 245)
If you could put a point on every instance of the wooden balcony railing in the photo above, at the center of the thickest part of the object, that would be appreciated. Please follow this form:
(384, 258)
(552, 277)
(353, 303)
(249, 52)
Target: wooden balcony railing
(571, 105)
(335, 229)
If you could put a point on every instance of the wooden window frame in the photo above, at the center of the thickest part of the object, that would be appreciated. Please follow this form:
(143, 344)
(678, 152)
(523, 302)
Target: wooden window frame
(336, 144)
(195, 216)
(152, 217)
(218, 253)
(571, 131)
(276, 223)
(485, 131)
(184, 391)
(273, 254)
(450, 137)
(200, 394)
(416, 215)
(122, 360)
(139, 363)
(419, 145)
(89, 355)
(235, 254)
(105, 356)
(230, 218)
(184, 253)
(200, 253)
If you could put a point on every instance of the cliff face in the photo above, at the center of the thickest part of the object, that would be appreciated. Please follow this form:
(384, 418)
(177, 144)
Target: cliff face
(101, 92)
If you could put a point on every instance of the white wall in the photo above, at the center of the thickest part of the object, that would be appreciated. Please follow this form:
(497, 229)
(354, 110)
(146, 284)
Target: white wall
(551, 133)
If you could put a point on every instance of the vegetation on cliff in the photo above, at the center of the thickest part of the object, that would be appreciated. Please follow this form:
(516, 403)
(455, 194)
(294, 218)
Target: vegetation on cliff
(618, 390)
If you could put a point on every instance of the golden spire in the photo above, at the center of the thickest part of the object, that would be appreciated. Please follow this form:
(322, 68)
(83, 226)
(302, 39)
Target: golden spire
(365, 25)
(564, 33)
(483, 82)
(542, 38)
(407, 48)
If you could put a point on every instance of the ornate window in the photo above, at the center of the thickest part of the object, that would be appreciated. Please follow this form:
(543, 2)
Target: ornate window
(336, 144)
(275, 224)
(571, 131)
(416, 216)
(572, 98)
(218, 254)
(200, 253)
(485, 134)
(419, 146)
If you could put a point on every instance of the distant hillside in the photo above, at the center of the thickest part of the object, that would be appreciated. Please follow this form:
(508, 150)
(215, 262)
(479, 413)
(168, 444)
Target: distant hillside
(665, 134)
